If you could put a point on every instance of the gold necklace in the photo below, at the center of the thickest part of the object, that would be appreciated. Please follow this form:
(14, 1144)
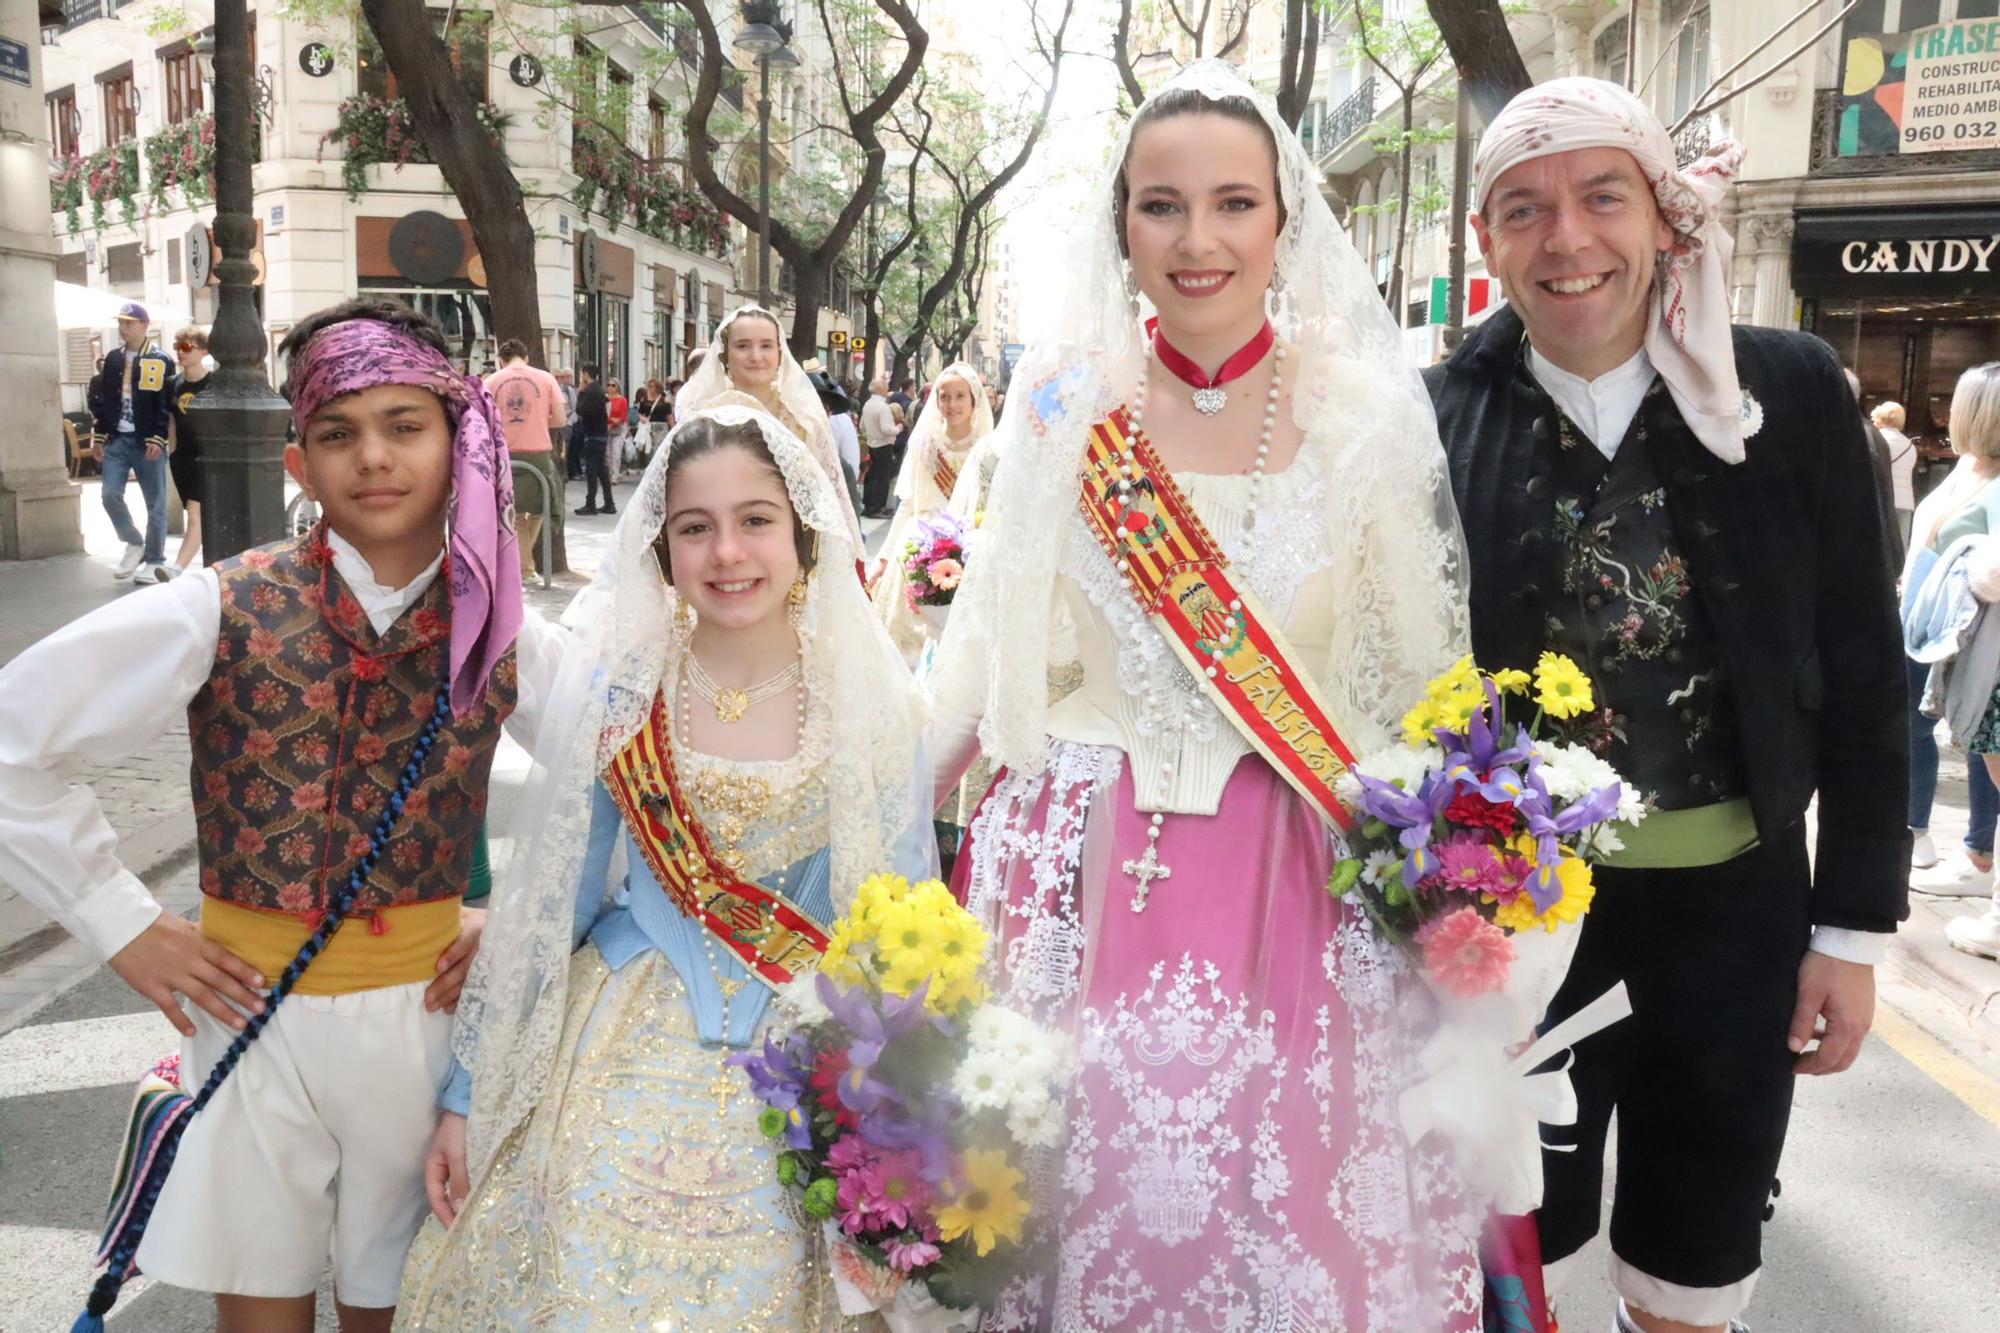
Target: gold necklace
(731, 704)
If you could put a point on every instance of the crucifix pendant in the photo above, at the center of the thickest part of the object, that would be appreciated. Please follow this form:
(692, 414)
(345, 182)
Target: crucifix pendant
(1147, 868)
(1209, 401)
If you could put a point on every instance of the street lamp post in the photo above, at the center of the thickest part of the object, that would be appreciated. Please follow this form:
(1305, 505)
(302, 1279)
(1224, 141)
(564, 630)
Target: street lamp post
(240, 422)
(766, 42)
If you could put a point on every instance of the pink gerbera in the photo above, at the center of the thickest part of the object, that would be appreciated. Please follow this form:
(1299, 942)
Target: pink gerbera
(907, 1253)
(1467, 863)
(886, 1192)
(946, 573)
(1465, 953)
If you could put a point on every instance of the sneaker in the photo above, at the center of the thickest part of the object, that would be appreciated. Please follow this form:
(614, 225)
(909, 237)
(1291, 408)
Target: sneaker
(1977, 935)
(134, 554)
(588, 511)
(162, 573)
(608, 509)
(1923, 852)
(1622, 1322)
(1958, 878)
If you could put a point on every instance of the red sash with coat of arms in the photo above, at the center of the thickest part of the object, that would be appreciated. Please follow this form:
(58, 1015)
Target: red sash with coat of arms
(1181, 579)
(773, 937)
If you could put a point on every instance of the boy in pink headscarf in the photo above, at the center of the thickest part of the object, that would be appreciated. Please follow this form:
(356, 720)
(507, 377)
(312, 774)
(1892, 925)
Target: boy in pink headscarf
(307, 671)
(1687, 508)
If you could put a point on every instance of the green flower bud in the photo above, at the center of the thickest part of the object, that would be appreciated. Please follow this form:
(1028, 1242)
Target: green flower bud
(771, 1121)
(788, 1169)
(1345, 876)
(821, 1196)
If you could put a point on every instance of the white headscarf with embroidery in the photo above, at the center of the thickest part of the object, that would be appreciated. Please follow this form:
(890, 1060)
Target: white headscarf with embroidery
(1688, 337)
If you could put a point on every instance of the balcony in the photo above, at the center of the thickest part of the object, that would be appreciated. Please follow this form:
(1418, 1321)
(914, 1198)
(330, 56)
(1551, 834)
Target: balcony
(733, 80)
(649, 15)
(1349, 118)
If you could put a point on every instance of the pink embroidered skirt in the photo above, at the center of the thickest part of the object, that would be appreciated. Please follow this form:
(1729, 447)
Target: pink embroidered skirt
(1233, 1159)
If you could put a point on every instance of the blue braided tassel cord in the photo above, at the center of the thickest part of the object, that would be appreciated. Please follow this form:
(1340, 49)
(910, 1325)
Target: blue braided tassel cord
(104, 1292)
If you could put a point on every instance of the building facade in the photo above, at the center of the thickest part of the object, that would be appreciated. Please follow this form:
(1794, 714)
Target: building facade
(633, 265)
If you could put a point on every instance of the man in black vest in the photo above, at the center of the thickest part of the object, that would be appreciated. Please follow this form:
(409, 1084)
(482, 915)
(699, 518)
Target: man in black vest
(1688, 510)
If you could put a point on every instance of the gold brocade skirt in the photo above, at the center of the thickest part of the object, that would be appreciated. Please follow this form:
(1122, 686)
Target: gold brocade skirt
(639, 1195)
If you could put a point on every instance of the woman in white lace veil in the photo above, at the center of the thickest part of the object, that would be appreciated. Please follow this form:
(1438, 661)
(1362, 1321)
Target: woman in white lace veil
(1156, 884)
(782, 388)
(940, 443)
(604, 1124)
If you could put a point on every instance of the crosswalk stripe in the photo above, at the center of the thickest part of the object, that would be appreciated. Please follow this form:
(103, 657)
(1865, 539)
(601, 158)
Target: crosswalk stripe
(82, 1053)
(45, 1275)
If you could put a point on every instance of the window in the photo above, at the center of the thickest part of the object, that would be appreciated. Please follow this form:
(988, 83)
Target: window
(1689, 26)
(656, 129)
(63, 122)
(1607, 53)
(617, 114)
(465, 41)
(120, 99)
(180, 76)
(1309, 125)
(125, 265)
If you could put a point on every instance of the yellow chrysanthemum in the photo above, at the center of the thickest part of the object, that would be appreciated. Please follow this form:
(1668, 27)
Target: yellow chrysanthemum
(988, 1204)
(1572, 874)
(905, 929)
(1464, 675)
(1419, 722)
(839, 963)
(1511, 681)
(1561, 688)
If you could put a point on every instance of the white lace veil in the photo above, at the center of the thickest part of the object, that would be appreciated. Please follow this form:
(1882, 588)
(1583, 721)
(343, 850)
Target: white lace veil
(862, 718)
(803, 415)
(1399, 564)
(928, 436)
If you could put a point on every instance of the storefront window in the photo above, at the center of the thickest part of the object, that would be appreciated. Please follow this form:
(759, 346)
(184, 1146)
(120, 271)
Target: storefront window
(465, 315)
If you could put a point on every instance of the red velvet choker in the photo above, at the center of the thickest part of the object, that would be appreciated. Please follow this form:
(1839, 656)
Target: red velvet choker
(1209, 397)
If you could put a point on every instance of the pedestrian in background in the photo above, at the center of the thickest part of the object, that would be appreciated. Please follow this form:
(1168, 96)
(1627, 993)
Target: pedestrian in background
(184, 457)
(593, 423)
(129, 438)
(1885, 488)
(878, 438)
(572, 463)
(530, 404)
(1889, 419)
(620, 409)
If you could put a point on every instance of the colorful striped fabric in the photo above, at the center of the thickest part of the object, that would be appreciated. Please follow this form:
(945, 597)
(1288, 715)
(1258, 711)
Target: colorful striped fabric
(158, 1104)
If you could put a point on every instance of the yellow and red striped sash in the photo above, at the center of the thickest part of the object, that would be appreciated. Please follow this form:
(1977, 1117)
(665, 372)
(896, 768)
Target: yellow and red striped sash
(945, 475)
(1218, 630)
(773, 937)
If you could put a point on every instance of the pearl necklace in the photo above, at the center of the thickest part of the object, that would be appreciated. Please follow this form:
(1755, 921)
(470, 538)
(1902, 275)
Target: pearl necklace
(1147, 868)
(731, 853)
(731, 704)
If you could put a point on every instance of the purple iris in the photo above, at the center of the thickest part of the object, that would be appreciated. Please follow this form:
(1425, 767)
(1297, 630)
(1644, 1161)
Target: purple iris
(1414, 818)
(1481, 764)
(778, 1077)
(1547, 829)
(929, 1134)
(871, 1031)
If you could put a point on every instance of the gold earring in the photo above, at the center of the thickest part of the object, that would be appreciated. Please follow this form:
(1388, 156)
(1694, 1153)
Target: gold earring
(684, 620)
(795, 600)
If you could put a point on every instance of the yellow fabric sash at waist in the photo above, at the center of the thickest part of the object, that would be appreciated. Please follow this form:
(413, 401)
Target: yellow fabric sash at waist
(392, 947)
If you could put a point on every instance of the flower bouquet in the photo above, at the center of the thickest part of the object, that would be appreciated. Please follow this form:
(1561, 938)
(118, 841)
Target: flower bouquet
(903, 1105)
(934, 565)
(1474, 855)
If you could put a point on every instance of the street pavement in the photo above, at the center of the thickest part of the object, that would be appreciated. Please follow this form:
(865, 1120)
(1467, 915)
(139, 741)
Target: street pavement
(1889, 1221)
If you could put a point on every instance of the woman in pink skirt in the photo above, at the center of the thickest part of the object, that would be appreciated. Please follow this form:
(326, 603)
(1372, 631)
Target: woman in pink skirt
(1233, 520)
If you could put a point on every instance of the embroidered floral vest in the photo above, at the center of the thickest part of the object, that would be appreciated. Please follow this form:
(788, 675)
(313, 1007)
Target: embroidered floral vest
(1628, 613)
(306, 721)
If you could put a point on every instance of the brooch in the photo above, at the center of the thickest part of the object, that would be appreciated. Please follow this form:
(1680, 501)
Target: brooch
(1751, 418)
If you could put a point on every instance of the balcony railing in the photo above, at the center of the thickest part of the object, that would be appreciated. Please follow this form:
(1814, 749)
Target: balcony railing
(648, 15)
(1350, 117)
(733, 80)
(1693, 139)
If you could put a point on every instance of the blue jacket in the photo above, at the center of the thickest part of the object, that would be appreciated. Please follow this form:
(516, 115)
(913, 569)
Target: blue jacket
(152, 384)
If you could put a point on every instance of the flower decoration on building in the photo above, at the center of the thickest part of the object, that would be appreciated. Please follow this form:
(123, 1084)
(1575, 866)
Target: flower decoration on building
(182, 157)
(368, 130)
(617, 184)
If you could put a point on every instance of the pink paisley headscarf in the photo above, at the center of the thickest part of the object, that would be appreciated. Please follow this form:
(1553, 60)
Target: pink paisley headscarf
(484, 558)
(1688, 338)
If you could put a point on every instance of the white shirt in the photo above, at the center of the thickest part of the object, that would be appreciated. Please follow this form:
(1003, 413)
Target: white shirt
(1602, 408)
(108, 685)
(845, 439)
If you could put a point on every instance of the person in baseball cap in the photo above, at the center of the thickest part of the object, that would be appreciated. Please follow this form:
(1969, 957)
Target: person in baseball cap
(129, 437)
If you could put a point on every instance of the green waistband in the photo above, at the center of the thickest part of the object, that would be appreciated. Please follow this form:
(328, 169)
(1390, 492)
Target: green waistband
(1707, 835)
